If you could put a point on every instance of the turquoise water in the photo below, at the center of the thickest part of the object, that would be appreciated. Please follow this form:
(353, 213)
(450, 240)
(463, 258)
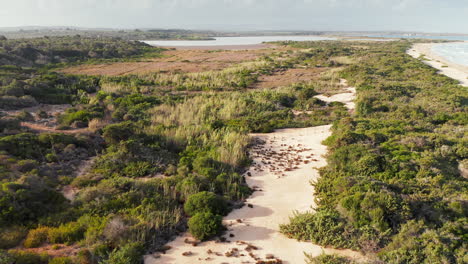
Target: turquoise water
(421, 37)
(232, 41)
(454, 52)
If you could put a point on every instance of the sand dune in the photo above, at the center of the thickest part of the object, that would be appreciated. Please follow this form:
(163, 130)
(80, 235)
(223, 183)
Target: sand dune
(285, 163)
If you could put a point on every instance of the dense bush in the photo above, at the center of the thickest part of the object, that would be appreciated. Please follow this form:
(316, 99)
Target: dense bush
(36, 237)
(204, 225)
(128, 254)
(66, 233)
(205, 202)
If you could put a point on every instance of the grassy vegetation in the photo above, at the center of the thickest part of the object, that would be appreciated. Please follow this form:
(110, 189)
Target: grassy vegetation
(392, 185)
(26, 78)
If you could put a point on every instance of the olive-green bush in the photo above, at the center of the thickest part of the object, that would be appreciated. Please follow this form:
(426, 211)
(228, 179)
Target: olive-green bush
(204, 225)
(205, 202)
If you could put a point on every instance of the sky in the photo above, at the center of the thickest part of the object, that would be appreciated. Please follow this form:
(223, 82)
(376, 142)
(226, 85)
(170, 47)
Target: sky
(324, 15)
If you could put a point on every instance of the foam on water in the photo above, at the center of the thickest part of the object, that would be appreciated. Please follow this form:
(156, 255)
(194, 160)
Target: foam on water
(454, 52)
(231, 41)
(395, 36)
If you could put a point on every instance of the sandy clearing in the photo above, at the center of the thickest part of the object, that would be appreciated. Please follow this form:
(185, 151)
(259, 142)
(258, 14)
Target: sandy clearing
(283, 167)
(446, 67)
(347, 98)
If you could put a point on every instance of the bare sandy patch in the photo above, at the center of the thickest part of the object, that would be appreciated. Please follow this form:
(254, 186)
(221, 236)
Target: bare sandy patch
(446, 67)
(347, 97)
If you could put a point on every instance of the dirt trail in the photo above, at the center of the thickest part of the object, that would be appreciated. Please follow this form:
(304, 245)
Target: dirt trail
(283, 167)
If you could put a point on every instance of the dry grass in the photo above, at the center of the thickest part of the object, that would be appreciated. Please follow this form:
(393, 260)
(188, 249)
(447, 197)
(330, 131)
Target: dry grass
(173, 61)
(288, 77)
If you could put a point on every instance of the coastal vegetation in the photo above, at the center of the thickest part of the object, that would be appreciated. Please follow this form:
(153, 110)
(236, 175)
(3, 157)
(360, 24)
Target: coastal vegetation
(394, 185)
(134, 160)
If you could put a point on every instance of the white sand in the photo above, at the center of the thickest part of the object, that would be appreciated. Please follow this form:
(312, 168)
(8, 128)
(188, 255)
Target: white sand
(281, 174)
(452, 70)
(347, 98)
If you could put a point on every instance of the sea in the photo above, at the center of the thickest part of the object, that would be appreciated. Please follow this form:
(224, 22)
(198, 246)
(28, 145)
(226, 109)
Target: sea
(413, 36)
(454, 52)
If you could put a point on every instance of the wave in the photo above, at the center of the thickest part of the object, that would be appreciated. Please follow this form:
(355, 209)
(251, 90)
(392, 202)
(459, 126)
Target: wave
(454, 52)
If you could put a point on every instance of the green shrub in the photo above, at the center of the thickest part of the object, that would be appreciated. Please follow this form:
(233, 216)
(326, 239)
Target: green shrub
(138, 169)
(131, 253)
(25, 257)
(117, 132)
(327, 259)
(12, 236)
(323, 227)
(205, 202)
(204, 225)
(66, 233)
(6, 258)
(61, 260)
(36, 237)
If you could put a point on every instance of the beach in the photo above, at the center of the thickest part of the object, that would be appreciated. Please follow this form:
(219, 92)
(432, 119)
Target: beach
(446, 67)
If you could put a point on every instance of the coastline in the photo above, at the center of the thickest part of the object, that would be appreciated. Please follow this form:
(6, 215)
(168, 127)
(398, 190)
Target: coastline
(446, 67)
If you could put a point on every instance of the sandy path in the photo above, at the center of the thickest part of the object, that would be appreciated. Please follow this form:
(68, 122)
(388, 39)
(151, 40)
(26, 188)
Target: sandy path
(284, 165)
(347, 98)
(448, 68)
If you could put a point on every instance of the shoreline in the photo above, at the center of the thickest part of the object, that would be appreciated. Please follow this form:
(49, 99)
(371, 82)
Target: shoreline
(446, 67)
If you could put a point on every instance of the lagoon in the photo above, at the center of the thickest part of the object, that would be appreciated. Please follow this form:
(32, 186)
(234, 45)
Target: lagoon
(232, 41)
